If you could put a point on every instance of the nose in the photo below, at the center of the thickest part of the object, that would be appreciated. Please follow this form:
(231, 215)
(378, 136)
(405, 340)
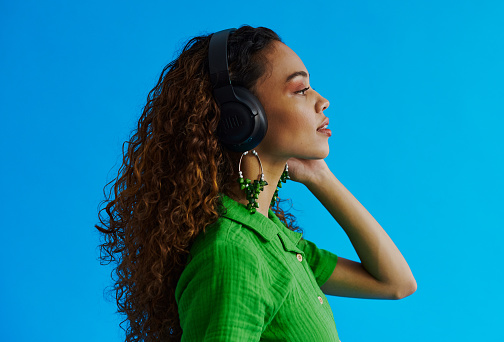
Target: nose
(322, 104)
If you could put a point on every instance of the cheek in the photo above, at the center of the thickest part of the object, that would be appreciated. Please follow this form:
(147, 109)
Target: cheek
(286, 122)
(283, 129)
(289, 122)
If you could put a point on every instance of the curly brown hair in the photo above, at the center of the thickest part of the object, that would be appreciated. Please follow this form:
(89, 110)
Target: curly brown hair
(167, 189)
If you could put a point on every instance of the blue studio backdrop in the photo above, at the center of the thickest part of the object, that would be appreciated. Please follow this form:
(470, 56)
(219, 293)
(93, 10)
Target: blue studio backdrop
(416, 112)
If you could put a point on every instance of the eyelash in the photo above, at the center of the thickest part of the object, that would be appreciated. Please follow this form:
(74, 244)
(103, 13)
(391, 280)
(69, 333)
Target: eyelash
(302, 91)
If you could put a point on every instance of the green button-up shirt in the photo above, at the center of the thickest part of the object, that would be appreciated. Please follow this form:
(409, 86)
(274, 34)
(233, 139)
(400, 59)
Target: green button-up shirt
(250, 278)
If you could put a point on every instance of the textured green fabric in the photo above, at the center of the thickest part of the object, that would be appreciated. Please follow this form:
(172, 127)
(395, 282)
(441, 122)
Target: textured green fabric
(250, 278)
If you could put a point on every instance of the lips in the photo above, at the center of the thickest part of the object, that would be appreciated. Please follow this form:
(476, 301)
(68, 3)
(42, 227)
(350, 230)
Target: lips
(323, 128)
(324, 124)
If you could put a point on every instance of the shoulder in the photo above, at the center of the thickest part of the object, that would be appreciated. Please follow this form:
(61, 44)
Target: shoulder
(222, 294)
(221, 255)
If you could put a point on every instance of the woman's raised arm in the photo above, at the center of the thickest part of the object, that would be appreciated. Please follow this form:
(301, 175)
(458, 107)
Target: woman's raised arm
(383, 272)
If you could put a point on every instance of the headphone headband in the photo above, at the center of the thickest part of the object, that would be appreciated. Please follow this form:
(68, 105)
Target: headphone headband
(218, 59)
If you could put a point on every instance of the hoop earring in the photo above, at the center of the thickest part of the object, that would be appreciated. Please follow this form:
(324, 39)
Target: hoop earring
(283, 179)
(252, 190)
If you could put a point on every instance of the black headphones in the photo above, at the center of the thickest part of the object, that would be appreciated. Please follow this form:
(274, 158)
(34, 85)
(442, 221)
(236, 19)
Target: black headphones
(243, 122)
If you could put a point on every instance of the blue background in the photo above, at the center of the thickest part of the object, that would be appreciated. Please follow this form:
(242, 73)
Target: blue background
(416, 91)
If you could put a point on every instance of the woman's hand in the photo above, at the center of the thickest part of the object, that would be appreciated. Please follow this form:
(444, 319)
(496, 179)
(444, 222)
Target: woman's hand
(306, 171)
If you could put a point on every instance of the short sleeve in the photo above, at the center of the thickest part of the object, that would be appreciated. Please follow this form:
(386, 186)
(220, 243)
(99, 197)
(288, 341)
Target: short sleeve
(220, 295)
(321, 261)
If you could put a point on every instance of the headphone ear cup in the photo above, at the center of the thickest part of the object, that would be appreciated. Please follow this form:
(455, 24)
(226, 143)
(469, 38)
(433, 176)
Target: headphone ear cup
(243, 122)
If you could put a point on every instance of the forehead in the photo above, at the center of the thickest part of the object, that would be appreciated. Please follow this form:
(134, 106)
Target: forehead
(281, 62)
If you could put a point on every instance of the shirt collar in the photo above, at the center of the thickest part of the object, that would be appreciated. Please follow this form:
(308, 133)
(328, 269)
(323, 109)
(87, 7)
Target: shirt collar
(266, 227)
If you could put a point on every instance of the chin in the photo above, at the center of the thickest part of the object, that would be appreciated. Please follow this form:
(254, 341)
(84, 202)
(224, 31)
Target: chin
(319, 154)
(325, 153)
(324, 156)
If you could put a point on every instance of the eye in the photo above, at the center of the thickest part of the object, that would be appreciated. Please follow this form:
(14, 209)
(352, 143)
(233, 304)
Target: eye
(302, 91)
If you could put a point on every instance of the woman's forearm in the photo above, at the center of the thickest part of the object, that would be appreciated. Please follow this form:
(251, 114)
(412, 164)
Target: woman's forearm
(377, 252)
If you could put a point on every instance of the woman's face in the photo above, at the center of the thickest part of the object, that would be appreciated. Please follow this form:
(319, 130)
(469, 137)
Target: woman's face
(293, 109)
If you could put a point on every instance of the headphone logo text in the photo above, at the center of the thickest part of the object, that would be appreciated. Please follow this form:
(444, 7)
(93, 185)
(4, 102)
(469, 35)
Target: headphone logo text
(232, 122)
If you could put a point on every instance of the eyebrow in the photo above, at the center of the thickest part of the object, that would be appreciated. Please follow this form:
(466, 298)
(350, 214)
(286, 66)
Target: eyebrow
(295, 74)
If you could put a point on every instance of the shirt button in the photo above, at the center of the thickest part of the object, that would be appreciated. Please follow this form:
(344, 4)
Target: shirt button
(300, 257)
(320, 300)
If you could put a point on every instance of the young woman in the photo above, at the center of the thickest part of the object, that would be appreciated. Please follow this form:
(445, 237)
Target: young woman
(203, 251)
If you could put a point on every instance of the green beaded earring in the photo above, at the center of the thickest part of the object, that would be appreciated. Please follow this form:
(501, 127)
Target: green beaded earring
(283, 179)
(252, 189)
